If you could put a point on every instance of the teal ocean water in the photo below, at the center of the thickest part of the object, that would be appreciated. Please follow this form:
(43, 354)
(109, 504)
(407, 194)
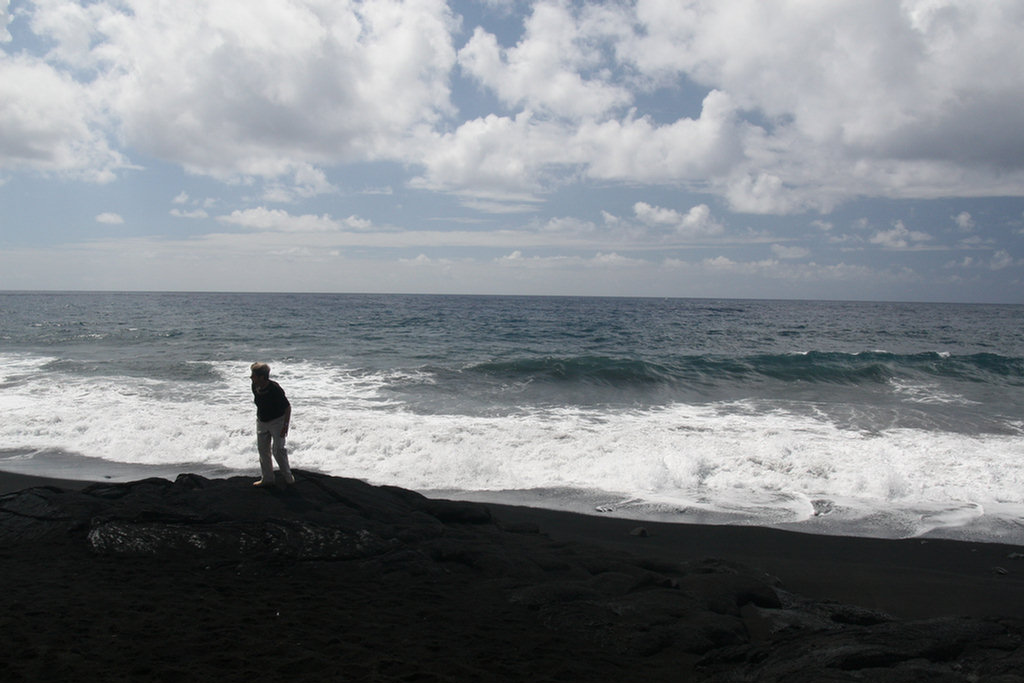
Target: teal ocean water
(868, 418)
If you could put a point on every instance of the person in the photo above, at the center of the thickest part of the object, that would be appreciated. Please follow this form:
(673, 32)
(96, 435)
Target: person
(273, 414)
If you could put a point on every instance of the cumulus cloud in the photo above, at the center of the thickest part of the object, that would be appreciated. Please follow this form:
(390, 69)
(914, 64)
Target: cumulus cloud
(277, 220)
(198, 210)
(554, 68)
(424, 260)
(880, 72)
(109, 219)
(724, 263)
(694, 223)
(264, 89)
(498, 155)
(1001, 259)
(899, 237)
(848, 98)
(964, 221)
(638, 149)
(51, 123)
(307, 181)
(898, 95)
(805, 105)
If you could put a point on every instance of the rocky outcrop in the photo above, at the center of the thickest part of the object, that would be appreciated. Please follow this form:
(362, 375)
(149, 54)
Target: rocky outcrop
(718, 620)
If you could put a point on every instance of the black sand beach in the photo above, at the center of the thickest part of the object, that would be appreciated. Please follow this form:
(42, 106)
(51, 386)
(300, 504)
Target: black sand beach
(335, 580)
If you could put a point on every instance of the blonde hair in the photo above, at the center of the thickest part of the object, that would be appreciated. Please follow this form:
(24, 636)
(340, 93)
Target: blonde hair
(261, 369)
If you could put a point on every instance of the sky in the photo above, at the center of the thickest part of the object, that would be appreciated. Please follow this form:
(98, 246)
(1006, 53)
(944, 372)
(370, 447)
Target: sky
(808, 149)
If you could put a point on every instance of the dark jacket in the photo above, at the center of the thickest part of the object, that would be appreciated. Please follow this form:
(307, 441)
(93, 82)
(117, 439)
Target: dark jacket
(271, 403)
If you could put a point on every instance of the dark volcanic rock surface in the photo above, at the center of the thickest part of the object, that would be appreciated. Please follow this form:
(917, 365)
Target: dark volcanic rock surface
(511, 599)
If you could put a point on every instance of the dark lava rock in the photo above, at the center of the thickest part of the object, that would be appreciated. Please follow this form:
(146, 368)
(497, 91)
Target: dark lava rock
(705, 619)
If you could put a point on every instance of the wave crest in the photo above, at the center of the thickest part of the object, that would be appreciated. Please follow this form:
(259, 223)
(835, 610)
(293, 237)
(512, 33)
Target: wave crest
(874, 367)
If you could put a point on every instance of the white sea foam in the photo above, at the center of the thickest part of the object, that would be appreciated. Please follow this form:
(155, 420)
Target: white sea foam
(737, 462)
(927, 393)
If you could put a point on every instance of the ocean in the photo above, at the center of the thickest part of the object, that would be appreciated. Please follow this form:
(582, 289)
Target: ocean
(877, 419)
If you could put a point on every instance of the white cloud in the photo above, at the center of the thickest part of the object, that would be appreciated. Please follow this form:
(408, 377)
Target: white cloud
(570, 226)
(696, 222)
(805, 104)
(790, 252)
(555, 68)
(773, 273)
(615, 261)
(653, 215)
(973, 242)
(5, 19)
(877, 98)
(599, 260)
(494, 154)
(277, 220)
(50, 123)
(424, 260)
(1001, 259)
(724, 263)
(109, 219)
(853, 72)
(761, 192)
(528, 152)
(964, 221)
(899, 237)
(307, 181)
(965, 262)
(193, 214)
(499, 202)
(260, 88)
(637, 149)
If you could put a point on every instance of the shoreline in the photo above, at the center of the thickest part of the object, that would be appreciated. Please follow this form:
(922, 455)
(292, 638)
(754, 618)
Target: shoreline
(990, 528)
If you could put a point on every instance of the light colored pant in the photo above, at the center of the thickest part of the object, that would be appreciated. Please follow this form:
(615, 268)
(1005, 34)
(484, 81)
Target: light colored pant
(270, 441)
